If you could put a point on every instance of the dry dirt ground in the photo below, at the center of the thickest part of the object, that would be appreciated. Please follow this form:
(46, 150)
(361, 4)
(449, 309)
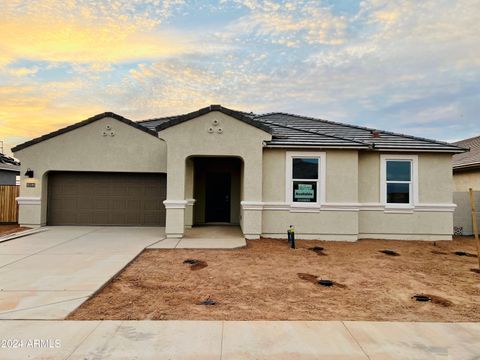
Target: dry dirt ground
(262, 282)
(10, 229)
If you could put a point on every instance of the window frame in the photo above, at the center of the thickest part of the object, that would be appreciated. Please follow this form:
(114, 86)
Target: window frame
(321, 179)
(413, 183)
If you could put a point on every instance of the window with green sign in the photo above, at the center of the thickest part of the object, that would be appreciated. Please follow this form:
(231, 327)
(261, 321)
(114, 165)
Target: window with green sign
(305, 177)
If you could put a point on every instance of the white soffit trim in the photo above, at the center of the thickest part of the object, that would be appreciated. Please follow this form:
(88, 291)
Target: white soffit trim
(24, 200)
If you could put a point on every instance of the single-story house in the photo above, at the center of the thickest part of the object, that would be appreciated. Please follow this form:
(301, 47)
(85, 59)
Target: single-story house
(9, 170)
(466, 175)
(262, 172)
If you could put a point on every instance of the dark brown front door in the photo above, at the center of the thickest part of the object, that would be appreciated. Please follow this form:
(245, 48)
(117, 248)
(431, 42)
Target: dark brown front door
(95, 198)
(217, 197)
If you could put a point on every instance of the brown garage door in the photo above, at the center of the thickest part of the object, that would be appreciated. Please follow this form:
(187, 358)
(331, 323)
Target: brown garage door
(90, 198)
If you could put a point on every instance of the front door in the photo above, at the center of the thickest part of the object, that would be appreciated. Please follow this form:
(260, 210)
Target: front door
(217, 197)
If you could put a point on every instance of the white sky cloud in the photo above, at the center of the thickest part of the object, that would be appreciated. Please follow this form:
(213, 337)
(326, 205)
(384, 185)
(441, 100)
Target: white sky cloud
(407, 65)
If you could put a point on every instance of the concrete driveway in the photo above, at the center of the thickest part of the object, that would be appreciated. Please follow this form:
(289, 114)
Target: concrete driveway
(49, 274)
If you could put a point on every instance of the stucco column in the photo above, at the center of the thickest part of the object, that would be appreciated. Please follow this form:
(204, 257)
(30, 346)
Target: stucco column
(189, 213)
(251, 222)
(175, 221)
(32, 210)
(175, 204)
(189, 174)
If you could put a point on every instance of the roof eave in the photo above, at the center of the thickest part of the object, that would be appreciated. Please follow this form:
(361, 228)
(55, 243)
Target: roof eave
(235, 114)
(81, 124)
(10, 169)
(414, 149)
(472, 166)
(297, 146)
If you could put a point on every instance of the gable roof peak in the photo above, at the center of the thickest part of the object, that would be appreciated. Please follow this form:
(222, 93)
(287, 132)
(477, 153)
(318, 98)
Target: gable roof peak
(77, 125)
(239, 115)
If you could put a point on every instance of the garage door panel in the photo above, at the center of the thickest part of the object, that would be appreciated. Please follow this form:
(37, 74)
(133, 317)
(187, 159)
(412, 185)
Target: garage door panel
(135, 191)
(84, 198)
(101, 218)
(85, 217)
(85, 203)
(153, 205)
(134, 205)
(133, 218)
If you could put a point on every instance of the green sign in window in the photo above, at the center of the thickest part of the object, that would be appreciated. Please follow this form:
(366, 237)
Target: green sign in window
(304, 191)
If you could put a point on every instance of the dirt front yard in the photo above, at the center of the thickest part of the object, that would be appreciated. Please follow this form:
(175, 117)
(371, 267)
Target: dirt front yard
(10, 229)
(268, 281)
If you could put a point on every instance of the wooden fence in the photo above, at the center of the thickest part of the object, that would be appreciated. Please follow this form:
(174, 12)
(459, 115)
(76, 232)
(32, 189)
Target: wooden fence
(8, 203)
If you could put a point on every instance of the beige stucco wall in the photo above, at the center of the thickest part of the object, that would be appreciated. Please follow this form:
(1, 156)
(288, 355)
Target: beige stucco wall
(236, 139)
(320, 225)
(273, 175)
(341, 187)
(354, 178)
(341, 181)
(86, 149)
(369, 177)
(434, 175)
(435, 178)
(464, 180)
(434, 187)
(410, 226)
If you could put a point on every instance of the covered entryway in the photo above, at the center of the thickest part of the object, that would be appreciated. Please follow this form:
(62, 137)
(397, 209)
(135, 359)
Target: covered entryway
(216, 188)
(96, 198)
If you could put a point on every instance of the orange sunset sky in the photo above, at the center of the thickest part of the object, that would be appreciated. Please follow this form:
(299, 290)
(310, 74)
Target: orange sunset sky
(406, 65)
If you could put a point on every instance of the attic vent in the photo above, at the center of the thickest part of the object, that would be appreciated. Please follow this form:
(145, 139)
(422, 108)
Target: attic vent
(375, 133)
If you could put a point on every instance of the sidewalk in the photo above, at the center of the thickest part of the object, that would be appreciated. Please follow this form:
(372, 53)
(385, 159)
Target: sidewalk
(206, 340)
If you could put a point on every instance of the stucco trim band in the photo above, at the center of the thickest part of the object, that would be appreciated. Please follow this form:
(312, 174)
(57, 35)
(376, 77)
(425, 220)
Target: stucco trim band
(175, 204)
(29, 200)
(190, 202)
(282, 206)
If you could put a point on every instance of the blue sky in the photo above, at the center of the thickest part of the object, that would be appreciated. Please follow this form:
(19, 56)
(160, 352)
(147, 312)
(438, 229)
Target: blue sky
(405, 66)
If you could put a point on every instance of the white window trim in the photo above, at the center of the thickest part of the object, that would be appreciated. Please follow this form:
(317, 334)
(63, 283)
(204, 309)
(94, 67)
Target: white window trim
(414, 180)
(321, 188)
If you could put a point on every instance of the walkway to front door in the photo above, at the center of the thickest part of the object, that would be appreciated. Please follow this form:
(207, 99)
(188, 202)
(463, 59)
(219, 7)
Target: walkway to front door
(206, 237)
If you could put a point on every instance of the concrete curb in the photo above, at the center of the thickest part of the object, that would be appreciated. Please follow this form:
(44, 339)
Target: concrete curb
(21, 234)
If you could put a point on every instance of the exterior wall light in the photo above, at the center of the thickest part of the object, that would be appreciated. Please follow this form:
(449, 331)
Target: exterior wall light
(29, 173)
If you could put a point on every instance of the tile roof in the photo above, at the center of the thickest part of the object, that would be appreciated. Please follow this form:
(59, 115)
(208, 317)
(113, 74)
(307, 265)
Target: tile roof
(8, 163)
(469, 159)
(355, 135)
(289, 130)
(239, 115)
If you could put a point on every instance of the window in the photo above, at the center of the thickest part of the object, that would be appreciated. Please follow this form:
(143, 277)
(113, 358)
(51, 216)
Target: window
(304, 177)
(399, 182)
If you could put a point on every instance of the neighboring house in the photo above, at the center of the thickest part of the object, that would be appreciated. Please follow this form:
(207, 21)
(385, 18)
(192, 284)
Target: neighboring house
(466, 175)
(466, 166)
(264, 172)
(9, 170)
